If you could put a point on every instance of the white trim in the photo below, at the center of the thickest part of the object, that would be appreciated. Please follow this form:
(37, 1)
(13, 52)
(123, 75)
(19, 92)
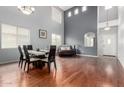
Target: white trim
(120, 28)
(6, 62)
(86, 55)
(97, 31)
(111, 23)
(0, 37)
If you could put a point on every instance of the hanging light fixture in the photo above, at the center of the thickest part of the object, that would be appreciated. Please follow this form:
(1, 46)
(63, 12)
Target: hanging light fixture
(27, 10)
(107, 23)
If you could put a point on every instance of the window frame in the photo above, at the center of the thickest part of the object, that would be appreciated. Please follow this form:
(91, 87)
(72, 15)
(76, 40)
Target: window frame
(17, 36)
(56, 15)
(56, 38)
(76, 11)
(82, 9)
(89, 39)
(70, 14)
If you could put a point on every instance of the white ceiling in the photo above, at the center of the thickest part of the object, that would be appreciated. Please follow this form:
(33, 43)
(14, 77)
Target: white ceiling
(64, 8)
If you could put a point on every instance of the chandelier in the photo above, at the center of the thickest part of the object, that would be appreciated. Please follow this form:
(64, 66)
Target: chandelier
(27, 10)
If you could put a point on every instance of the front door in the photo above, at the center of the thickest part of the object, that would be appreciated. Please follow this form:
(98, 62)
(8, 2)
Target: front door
(108, 43)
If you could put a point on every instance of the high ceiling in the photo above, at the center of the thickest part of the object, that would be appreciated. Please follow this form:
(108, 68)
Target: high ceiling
(64, 8)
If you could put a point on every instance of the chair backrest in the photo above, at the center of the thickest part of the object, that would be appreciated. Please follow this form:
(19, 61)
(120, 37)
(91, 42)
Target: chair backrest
(71, 47)
(29, 47)
(20, 52)
(52, 53)
(26, 52)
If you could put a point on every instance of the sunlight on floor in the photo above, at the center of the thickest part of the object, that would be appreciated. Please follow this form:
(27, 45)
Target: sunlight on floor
(109, 70)
(106, 85)
(57, 75)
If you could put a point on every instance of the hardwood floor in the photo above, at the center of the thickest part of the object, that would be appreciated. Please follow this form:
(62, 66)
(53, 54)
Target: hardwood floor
(71, 72)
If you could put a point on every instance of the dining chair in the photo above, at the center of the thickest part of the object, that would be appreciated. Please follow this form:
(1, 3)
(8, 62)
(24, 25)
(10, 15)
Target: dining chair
(22, 58)
(29, 59)
(51, 57)
(29, 47)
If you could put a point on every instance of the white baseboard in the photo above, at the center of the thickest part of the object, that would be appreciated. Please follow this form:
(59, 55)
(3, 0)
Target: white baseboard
(6, 62)
(87, 55)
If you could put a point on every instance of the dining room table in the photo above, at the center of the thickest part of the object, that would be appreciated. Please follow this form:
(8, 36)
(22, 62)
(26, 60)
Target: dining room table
(44, 50)
(36, 53)
(39, 54)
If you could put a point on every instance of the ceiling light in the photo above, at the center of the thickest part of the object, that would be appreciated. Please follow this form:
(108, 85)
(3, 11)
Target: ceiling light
(26, 9)
(108, 7)
(84, 8)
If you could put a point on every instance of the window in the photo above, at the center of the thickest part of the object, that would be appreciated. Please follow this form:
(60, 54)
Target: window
(56, 15)
(56, 40)
(89, 39)
(8, 35)
(23, 36)
(108, 41)
(11, 36)
(76, 11)
(84, 8)
(108, 7)
(69, 14)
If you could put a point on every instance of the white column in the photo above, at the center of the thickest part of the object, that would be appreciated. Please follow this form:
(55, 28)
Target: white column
(121, 35)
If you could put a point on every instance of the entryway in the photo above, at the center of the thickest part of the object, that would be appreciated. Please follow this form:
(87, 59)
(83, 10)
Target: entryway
(108, 42)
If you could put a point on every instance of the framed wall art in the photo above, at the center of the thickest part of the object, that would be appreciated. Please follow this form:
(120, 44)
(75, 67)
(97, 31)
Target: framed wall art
(42, 33)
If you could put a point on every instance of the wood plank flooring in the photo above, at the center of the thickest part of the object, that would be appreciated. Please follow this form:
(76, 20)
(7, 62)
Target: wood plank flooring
(71, 72)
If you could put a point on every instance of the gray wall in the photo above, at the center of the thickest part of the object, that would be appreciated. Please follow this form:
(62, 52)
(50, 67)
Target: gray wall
(77, 25)
(41, 18)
